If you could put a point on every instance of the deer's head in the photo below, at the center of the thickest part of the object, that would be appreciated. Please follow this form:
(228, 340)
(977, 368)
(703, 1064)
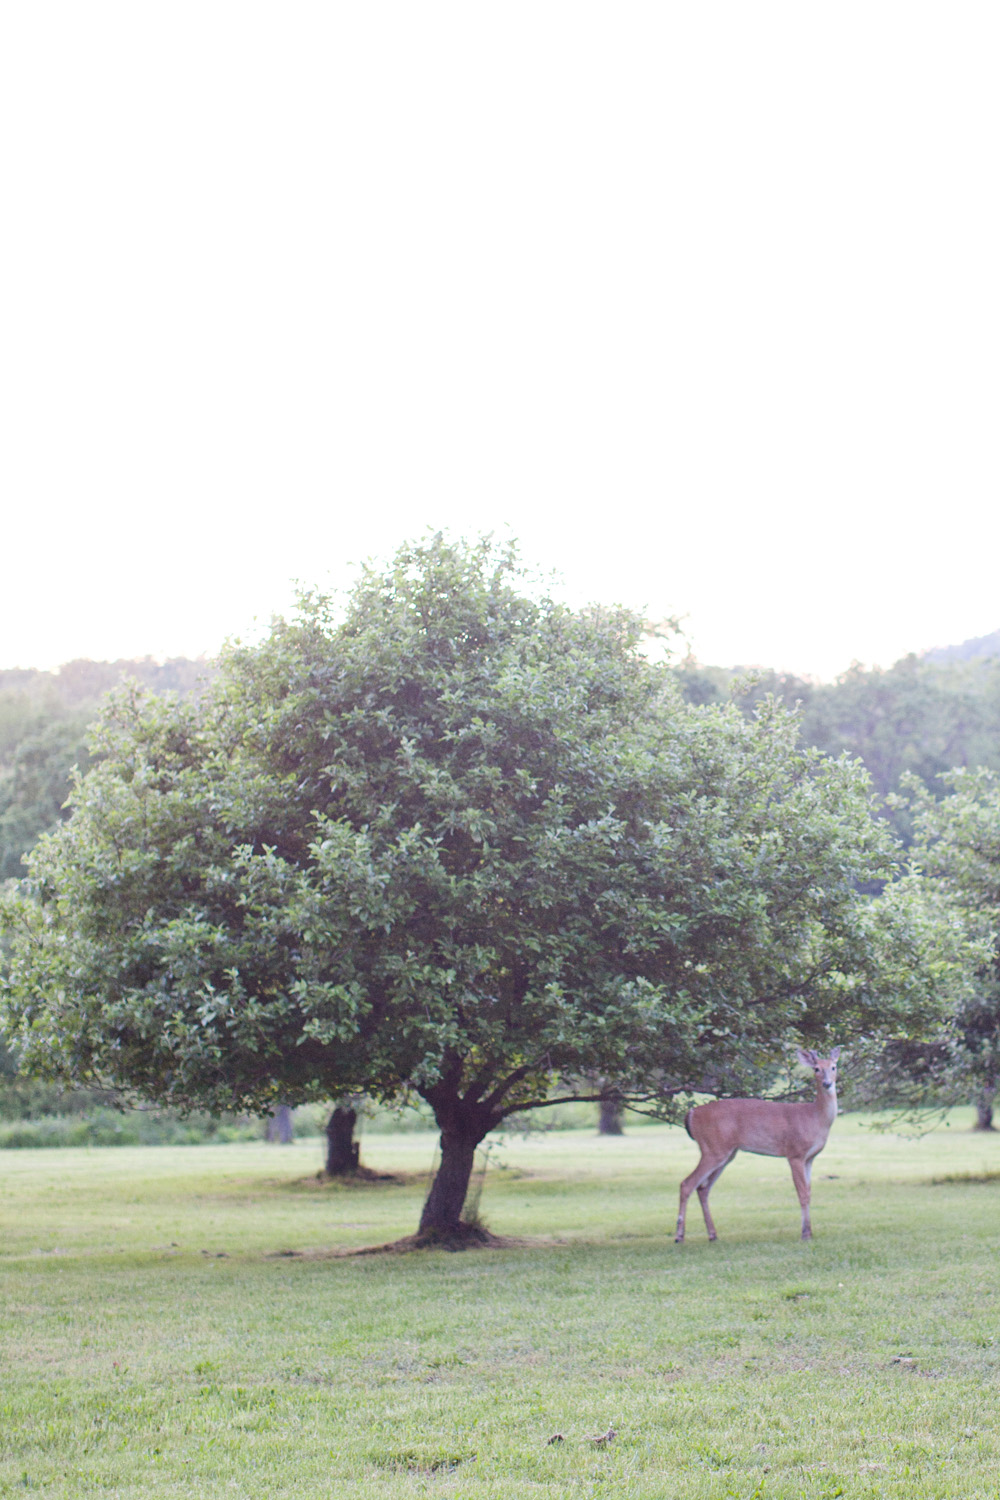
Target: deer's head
(825, 1068)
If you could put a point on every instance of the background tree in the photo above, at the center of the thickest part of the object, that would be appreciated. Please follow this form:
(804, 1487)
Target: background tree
(921, 716)
(957, 841)
(342, 1150)
(464, 843)
(610, 1115)
(915, 718)
(281, 1126)
(35, 783)
(43, 735)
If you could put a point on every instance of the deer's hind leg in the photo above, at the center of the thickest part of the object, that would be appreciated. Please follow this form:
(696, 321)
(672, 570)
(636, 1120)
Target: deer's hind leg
(707, 1172)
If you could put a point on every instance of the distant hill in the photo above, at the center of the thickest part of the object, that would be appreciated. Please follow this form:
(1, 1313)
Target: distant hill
(979, 645)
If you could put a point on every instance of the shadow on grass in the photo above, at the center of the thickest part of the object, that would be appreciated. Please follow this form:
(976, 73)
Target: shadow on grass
(319, 1182)
(460, 1237)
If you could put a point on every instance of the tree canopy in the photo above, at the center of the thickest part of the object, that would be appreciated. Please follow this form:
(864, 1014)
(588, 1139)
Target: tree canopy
(461, 841)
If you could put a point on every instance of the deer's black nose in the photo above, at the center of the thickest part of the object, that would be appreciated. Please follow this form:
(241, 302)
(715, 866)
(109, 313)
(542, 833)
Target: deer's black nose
(828, 1085)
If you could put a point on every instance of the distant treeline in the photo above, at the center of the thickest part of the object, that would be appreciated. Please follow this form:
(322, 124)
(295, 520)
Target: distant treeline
(83, 683)
(925, 714)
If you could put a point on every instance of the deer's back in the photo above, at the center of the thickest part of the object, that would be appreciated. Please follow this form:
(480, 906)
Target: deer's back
(763, 1126)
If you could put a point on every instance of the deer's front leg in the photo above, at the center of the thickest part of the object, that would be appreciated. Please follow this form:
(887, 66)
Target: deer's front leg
(800, 1176)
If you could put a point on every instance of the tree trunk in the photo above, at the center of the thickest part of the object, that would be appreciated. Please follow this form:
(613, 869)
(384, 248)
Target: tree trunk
(280, 1127)
(984, 1109)
(443, 1210)
(610, 1121)
(342, 1150)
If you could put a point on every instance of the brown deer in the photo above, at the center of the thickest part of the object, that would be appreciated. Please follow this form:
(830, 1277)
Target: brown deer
(764, 1126)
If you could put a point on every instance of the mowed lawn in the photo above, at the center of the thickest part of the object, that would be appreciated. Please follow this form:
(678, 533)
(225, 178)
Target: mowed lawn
(157, 1338)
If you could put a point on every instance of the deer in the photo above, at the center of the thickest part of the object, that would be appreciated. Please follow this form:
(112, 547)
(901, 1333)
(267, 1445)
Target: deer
(766, 1127)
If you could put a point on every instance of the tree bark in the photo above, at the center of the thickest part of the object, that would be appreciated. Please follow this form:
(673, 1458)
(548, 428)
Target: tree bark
(610, 1120)
(342, 1150)
(984, 1108)
(442, 1212)
(280, 1127)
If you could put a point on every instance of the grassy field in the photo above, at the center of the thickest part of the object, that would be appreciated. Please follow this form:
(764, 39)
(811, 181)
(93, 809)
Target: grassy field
(156, 1338)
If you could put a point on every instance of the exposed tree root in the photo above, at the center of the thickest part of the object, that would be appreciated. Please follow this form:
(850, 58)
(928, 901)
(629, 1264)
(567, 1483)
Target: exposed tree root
(459, 1236)
(359, 1175)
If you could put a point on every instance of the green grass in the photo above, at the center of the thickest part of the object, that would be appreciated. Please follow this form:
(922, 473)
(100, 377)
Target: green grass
(155, 1342)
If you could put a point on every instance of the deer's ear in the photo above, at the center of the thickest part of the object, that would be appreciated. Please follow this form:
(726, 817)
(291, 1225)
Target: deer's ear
(806, 1057)
(835, 1053)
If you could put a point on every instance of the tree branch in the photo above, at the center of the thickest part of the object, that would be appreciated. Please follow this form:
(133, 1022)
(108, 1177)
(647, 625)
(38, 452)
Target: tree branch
(517, 1109)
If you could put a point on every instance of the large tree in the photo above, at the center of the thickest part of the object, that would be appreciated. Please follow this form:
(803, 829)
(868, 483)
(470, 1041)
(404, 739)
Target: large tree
(457, 841)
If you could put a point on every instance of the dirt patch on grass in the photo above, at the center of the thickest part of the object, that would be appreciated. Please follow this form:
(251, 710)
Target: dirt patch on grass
(411, 1462)
(961, 1178)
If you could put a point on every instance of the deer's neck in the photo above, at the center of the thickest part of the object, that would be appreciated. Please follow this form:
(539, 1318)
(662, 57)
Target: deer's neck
(826, 1104)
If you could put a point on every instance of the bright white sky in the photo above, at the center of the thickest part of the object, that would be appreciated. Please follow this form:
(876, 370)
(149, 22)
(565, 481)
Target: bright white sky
(702, 302)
